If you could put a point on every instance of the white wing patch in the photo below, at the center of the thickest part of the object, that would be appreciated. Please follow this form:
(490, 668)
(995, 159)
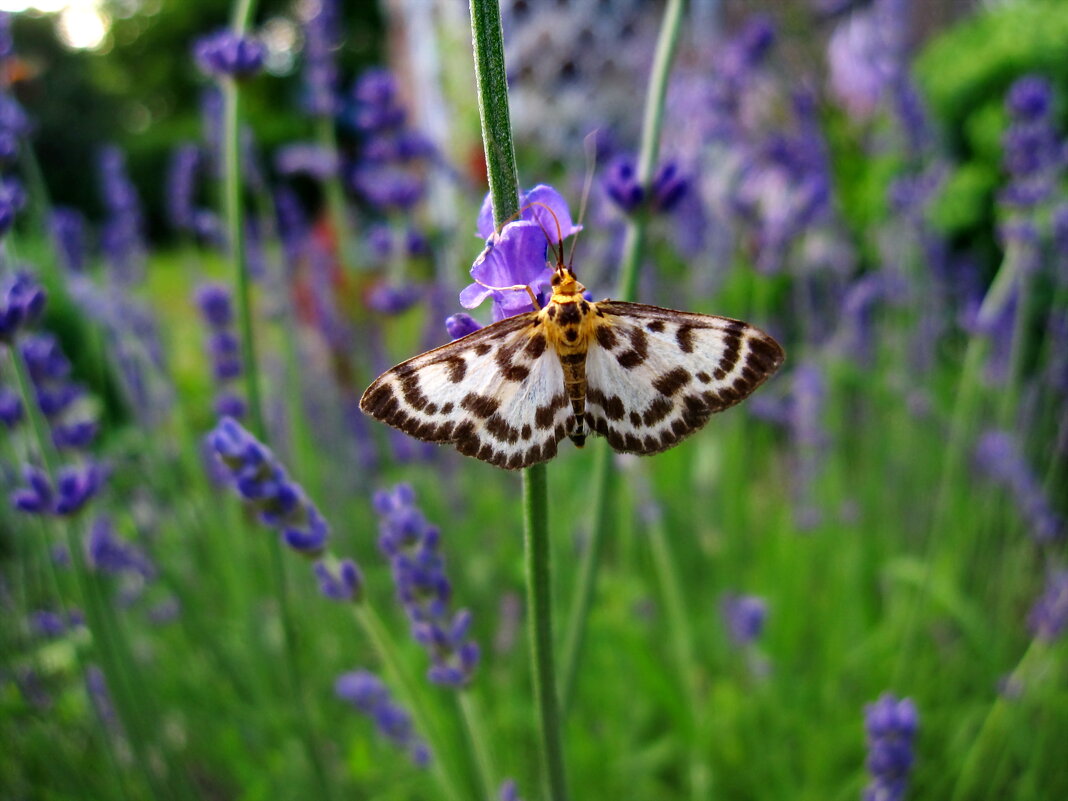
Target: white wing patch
(497, 394)
(654, 376)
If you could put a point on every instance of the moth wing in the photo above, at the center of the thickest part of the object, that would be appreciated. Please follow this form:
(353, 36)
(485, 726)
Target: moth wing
(654, 376)
(497, 394)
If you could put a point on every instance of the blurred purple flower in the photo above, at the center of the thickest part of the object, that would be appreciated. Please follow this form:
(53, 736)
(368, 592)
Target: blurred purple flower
(1033, 156)
(621, 183)
(306, 158)
(7, 44)
(122, 237)
(56, 393)
(387, 298)
(745, 616)
(75, 486)
(21, 302)
(412, 546)
(321, 41)
(12, 199)
(109, 553)
(368, 694)
(340, 582)
(377, 103)
(509, 791)
(891, 728)
(225, 53)
(14, 126)
(10, 408)
(1049, 615)
(261, 481)
(998, 455)
(224, 349)
(68, 235)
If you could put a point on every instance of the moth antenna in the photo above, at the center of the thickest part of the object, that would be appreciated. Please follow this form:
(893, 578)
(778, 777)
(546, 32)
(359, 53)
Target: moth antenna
(558, 246)
(589, 144)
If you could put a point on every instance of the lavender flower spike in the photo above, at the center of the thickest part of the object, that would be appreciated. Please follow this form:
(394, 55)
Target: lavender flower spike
(891, 726)
(367, 693)
(226, 53)
(412, 544)
(1049, 615)
(21, 303)
(261, 481)
(745, 616)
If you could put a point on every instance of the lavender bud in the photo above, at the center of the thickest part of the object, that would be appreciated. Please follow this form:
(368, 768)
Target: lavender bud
(225, 53)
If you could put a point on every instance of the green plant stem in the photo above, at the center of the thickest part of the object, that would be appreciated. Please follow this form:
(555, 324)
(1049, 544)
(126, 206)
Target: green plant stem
(408, 691)
(627, 288)
(976, 765)
(539, 615)
(475, 731)
(679, 633)
(603, 485)
(234, 202)
(105, 630)
(490, 76)
(492, 85)
(652, 121)
(335, 195)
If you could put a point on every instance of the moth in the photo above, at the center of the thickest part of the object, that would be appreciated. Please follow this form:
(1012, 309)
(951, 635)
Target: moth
(643, 377)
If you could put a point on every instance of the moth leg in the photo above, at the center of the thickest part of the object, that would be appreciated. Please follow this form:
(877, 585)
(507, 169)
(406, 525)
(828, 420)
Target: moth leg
(516, 288)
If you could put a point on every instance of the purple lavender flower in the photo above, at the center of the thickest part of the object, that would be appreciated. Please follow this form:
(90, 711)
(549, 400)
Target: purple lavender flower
(377, 102)
(1049, 615)
(109, 553)
(14, 126)
(745, 616)
(621, 183)
(46, 623)
(367, 693)
(75, 486)
(99, 695)
(261, 481)
(10, 408)
(340, 582)
(122, 238)
(57, 396)
(216, 308)
(515, 256)
(460, 325)
(7, 44)
(187, 161)
(509, 791)
(412, 546)
(321, 38)
(1032, 153)
(306, 158)
(388, 186)
(21, 302)
(998, 455)
(68, 235)
(891, 727)
(224, 53)
(12, 199)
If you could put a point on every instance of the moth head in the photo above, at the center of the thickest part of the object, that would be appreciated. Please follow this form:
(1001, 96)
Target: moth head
(564, 281)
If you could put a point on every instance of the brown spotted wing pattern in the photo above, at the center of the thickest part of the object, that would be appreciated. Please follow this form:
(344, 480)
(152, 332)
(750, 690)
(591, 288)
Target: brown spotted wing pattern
(654, 376)
(497, 394)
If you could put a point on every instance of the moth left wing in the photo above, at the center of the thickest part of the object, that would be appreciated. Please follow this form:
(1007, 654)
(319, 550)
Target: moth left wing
(654, 376)
(497, 394)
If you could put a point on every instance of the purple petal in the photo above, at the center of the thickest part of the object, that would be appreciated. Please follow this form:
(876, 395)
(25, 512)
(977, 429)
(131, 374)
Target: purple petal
(550, 203)
(485, 227)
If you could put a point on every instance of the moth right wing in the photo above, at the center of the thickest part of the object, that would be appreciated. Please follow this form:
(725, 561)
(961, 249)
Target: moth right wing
(497, 394)
(655, 376)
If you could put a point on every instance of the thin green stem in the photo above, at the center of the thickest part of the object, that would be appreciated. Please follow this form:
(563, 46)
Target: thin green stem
(627, 288)
(679, 633)
(490, 76)
(409, 693)
(492, 86)
(653, 120)
(335, 194)
(234, 201)
(539, 615)
(475, 731)
(603, 484)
